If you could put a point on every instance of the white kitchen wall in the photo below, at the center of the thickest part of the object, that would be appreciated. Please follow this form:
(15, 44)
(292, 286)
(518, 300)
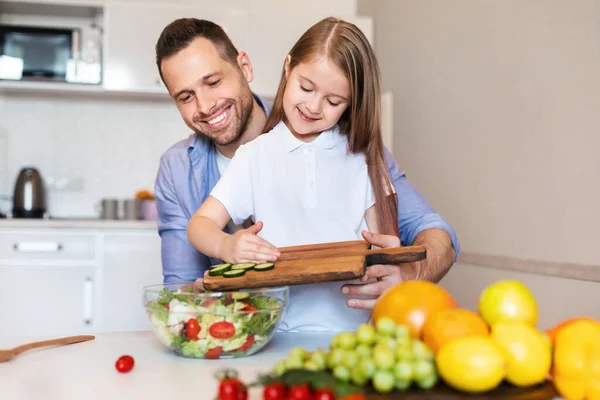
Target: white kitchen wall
(112, 145)
(496, 116)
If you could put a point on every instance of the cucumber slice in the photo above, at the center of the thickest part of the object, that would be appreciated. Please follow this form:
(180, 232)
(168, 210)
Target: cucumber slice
(234, 273)
(264, 267)
(245, 266)
(240, 295)
(218, 265)
(219, 270)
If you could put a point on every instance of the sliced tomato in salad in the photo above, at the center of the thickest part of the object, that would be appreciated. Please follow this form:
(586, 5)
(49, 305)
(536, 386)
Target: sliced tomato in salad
(247, 344)
(208, 302)
(192, 329)
(215, 352)
(222, 330)
(249, 308)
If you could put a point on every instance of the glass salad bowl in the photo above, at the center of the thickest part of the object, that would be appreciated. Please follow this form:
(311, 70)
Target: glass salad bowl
(197, 324)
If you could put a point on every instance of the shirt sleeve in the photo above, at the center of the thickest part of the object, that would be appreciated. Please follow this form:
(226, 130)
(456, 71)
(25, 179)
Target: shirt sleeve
(415, 214)
(234, 189)
(181, 261)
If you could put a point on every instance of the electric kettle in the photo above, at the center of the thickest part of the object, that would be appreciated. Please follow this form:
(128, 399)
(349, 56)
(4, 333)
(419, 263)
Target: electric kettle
(29, 200)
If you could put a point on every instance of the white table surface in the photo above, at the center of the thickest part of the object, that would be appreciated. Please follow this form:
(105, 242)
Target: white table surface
(87, 370)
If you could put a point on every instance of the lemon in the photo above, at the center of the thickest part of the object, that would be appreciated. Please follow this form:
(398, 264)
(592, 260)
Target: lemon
(471, 364)
(528, 356)
(508, 301)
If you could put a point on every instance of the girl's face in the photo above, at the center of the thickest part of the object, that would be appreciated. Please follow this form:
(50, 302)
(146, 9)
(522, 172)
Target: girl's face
(316, 95)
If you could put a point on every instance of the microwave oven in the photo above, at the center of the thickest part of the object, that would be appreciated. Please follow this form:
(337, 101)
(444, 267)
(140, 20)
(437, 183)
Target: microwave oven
(36, 53)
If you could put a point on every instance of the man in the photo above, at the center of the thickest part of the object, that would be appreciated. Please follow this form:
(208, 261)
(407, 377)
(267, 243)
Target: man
(209, 81)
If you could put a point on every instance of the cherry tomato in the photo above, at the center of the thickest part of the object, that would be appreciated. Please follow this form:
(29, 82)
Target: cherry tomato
(167, 307)
(355, 396)
(192, 329)
(274, 391)
(222, 330)
(247, 344)
(324, 394)
(124, 364)
(215, 352)
(232, 389)
(300, 392)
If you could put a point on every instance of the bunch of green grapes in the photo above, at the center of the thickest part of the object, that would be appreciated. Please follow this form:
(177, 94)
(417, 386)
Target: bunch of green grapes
(299, 358)
(384, 355)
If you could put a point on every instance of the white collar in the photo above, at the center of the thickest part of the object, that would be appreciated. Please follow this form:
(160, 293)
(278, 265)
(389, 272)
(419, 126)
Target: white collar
(326, 140)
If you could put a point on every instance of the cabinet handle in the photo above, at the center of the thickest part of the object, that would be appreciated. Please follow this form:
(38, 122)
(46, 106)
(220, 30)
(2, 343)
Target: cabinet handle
(88, 301)
(38, 247)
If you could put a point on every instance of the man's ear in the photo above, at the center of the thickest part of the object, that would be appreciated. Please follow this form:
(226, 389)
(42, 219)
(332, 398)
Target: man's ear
(286, 66)
(245, 66)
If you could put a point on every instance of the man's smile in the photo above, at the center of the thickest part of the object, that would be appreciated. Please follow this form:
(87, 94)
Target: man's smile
(220, 119)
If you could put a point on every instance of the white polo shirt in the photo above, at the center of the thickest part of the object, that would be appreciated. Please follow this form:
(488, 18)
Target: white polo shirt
(303, 193)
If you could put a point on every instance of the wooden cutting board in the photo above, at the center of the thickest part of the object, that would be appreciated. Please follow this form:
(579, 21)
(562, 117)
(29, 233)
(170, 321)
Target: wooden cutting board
(441, 391)
(317, 263)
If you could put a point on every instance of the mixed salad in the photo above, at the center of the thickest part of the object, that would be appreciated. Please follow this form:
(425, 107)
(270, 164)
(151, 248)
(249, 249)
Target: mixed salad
(232, 325)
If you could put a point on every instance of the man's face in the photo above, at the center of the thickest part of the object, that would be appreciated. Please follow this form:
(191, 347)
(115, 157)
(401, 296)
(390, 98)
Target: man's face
(212, 95)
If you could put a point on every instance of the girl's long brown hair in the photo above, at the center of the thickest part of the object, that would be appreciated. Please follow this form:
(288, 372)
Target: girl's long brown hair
(348, 48)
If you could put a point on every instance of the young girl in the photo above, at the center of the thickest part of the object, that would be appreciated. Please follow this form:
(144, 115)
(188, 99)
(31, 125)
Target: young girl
(316, 175)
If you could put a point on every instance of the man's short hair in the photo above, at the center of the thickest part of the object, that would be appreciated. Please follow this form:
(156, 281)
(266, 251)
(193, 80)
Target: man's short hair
(180, 33)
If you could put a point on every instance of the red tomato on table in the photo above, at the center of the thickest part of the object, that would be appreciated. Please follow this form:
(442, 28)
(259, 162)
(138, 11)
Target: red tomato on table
(232, 389)
(274, 391)
(124, 363)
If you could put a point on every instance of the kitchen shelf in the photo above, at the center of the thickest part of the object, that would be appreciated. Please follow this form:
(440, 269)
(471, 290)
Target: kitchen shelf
(62, 8)
(90, 91)
(73, 89)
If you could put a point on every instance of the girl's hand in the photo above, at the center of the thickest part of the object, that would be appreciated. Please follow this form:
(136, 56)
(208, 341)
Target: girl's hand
(244, 246)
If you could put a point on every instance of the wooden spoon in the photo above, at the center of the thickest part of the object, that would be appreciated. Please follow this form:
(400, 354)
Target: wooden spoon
(6, 355)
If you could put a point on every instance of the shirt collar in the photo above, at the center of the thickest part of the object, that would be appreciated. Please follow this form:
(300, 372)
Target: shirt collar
(326, 140)
(195, 139)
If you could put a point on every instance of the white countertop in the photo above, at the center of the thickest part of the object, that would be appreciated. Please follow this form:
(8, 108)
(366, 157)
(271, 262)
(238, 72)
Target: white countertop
(76, 223)
(87, 370)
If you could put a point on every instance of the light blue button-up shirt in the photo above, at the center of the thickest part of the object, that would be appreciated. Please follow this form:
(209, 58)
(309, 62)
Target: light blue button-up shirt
(187, 174)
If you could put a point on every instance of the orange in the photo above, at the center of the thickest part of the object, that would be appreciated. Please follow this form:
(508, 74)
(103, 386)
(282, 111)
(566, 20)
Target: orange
(410, 303)
(452, 323)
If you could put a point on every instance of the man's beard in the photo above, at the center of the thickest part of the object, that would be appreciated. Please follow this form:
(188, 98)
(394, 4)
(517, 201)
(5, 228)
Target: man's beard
(238, 127)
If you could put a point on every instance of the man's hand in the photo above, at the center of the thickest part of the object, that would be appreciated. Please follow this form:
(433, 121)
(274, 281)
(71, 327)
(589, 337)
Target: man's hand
(378, 278)
(244, 246)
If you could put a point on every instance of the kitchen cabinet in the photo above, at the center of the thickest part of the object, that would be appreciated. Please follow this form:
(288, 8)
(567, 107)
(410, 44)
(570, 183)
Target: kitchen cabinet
(131, 33)
(47, 300)
(132, 30)
(131, 261)
(47, 282)
(69, 281)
